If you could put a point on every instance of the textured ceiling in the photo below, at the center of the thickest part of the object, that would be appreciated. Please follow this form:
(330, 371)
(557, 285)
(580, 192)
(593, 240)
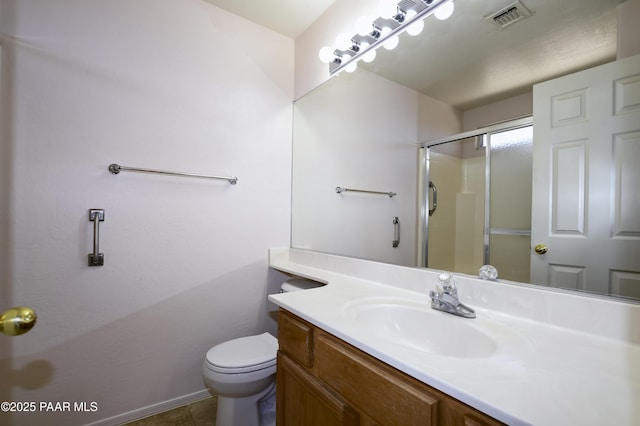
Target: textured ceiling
(468, 60)
(288, 17)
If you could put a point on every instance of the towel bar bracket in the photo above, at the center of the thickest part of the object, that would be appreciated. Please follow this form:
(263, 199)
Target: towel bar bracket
(96, 212)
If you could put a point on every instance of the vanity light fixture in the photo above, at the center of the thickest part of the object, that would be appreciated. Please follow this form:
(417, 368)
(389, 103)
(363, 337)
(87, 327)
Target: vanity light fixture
(407, 15)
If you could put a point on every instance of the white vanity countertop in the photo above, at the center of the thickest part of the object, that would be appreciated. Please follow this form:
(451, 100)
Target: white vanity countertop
(567, 360)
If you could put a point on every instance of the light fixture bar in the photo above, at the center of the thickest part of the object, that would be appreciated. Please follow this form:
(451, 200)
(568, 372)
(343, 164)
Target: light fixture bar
(375, 39)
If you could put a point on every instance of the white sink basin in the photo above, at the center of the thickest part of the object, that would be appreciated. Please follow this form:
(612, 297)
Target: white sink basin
(415, 325)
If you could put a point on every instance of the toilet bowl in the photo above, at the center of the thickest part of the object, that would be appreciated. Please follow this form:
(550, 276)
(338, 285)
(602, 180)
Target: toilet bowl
(242, 373)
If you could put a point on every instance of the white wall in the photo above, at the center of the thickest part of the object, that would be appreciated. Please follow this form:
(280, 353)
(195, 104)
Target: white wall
(176, 85)
(495, 112)
(628, 30)
(437, 119)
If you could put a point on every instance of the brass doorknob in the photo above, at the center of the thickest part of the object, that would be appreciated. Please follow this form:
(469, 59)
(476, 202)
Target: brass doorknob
(541, 249)
(17, 321)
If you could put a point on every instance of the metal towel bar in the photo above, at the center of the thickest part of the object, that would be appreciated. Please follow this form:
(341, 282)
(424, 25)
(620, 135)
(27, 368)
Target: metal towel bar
(339, 190)
(116, 168)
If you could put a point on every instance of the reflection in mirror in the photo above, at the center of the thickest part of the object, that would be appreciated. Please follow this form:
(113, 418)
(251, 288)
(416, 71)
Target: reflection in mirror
(483, 213)
(364, 130)
(454, 234)
(356, 131)
(508, 228)
(471, 59)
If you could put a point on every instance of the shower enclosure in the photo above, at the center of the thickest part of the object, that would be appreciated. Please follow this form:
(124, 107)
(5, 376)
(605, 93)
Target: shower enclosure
(476, 201)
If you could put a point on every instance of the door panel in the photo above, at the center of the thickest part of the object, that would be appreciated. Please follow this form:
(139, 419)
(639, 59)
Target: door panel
(626, 204)
(568, 188)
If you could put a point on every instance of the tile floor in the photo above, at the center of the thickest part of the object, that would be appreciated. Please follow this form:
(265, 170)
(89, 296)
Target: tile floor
(201, 413)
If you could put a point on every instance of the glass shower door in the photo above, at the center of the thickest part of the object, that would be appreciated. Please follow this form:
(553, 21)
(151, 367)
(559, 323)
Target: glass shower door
(454, 227)
(508, 216)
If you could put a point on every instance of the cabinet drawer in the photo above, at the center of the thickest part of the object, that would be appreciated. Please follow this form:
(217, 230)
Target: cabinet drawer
(385, 394)
(459, 414)
(295, 337)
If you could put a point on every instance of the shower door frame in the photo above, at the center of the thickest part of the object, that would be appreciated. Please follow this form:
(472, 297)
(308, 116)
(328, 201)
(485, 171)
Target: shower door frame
(424, 177)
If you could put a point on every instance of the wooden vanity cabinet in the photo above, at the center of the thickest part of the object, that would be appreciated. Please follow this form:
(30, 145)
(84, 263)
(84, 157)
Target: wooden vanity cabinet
(323, 381)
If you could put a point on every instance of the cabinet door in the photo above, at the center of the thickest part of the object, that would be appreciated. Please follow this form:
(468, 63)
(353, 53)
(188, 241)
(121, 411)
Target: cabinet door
(302, 400)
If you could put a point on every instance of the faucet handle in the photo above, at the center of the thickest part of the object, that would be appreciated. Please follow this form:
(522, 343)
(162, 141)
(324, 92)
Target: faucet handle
(446, 283)
(445, 298)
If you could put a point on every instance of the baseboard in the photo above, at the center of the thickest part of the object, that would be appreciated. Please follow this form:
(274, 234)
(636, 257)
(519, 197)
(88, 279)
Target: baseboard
(153, 409)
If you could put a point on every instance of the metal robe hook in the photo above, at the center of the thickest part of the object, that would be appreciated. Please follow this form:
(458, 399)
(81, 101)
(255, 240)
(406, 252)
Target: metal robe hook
(96, 216)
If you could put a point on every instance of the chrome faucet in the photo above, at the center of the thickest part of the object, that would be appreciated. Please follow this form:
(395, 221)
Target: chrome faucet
(445, 299)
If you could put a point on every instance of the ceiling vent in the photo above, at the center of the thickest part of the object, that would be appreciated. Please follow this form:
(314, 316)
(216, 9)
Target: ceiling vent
(407, 5)
(509, 15)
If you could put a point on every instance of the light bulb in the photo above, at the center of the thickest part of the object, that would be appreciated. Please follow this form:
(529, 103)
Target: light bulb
(391, 43)
(388, 9)
(370, 56)
(351, 67)
(415, 28)
(343, 41)
(364, 25)
(444, 11)
(326, 54)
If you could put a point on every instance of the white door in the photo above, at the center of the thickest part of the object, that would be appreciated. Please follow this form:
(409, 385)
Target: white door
(586, 180)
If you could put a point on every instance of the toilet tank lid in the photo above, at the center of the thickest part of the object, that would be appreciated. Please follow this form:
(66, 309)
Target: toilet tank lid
(295, 284)
(243, 352)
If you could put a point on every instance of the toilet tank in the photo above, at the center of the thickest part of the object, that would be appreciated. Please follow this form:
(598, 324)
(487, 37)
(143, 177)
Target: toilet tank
(296, 284)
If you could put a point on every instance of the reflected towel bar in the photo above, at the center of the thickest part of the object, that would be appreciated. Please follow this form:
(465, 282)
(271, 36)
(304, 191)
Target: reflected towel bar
(339, 190)
(115, 169)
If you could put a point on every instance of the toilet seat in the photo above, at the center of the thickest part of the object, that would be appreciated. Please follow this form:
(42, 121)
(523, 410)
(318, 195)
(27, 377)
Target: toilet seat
(297, 284)
(243, 354)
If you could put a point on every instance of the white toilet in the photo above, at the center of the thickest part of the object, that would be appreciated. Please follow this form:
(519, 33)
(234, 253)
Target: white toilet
(242, 373)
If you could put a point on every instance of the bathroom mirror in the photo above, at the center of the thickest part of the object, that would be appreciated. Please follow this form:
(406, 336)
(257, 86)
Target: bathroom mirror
(361, 131)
